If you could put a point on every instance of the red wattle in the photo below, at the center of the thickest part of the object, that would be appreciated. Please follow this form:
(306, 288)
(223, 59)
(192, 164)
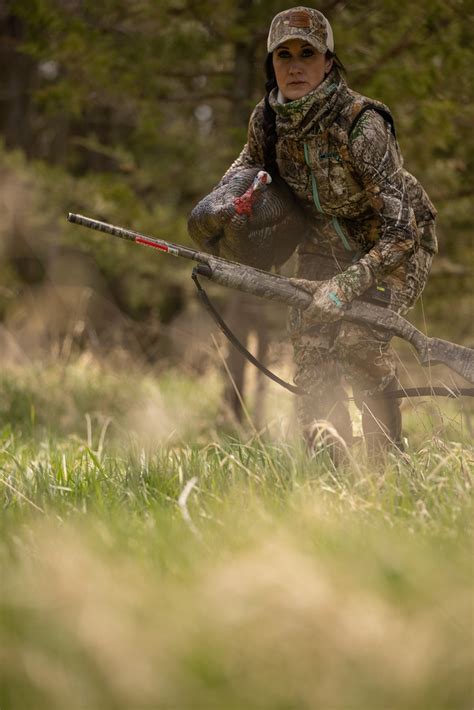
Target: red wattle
(244, 204)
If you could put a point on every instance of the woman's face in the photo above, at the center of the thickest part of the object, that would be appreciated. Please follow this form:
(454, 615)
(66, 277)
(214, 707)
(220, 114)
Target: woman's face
(299, 68)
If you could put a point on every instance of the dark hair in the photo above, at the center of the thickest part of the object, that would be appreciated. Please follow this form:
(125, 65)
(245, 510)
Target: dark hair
(269, 115)
(336, 61)
(269, 121)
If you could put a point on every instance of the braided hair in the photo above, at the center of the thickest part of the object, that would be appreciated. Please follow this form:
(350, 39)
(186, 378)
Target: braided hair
(269, 115)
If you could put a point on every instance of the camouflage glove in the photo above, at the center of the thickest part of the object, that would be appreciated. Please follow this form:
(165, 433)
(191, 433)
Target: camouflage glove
(331, 297)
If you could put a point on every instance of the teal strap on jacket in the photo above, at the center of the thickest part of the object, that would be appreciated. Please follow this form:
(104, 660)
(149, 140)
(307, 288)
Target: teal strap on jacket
(340, 231)
(317, 201)
(314, 184)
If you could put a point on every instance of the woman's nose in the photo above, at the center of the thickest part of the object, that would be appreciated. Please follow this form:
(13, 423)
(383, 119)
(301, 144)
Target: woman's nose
(295, 67)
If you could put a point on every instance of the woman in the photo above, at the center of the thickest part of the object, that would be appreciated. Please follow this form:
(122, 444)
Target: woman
(369, 222)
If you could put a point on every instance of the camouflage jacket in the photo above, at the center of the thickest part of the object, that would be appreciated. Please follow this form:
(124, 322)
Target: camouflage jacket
(338, 152)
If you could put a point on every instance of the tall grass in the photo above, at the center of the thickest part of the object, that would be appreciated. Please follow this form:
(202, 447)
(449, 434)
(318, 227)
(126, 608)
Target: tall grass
(164, 566)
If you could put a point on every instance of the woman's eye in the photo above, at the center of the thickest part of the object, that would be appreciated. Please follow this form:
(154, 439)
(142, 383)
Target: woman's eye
(307, 53)
(284, 54)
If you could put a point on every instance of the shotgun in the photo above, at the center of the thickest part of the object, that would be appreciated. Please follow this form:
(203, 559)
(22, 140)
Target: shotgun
(431, 351)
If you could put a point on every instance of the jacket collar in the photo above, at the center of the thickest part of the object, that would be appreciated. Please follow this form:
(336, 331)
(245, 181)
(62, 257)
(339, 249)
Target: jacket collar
(315, 110)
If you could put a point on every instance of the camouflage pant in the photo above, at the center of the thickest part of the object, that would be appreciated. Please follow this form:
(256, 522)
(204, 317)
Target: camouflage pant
(325, 353)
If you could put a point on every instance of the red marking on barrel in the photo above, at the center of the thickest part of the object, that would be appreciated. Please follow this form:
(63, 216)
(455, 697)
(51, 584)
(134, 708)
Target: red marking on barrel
(150, 243)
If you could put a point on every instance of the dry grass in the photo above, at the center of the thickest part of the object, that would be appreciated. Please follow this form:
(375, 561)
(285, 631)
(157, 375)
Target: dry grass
(277, 582)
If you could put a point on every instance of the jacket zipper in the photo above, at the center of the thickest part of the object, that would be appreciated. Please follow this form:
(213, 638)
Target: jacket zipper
(314, 189)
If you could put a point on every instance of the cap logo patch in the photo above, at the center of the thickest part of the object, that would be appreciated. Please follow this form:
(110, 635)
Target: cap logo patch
(300, 18)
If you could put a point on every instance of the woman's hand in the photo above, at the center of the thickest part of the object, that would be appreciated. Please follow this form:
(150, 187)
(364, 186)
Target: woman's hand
(331, 297)
(328, 301)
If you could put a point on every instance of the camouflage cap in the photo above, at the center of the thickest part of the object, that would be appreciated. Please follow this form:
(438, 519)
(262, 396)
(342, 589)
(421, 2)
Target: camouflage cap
(301, 23)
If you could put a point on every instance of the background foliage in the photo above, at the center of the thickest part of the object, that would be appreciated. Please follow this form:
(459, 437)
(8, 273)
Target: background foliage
(130, 112)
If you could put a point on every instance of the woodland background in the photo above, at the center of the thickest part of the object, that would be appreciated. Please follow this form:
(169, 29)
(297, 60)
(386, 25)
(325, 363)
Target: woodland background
(131, 111)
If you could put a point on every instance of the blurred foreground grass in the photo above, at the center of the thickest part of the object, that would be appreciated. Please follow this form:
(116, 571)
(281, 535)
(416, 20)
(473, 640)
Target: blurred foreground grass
(148, 561)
